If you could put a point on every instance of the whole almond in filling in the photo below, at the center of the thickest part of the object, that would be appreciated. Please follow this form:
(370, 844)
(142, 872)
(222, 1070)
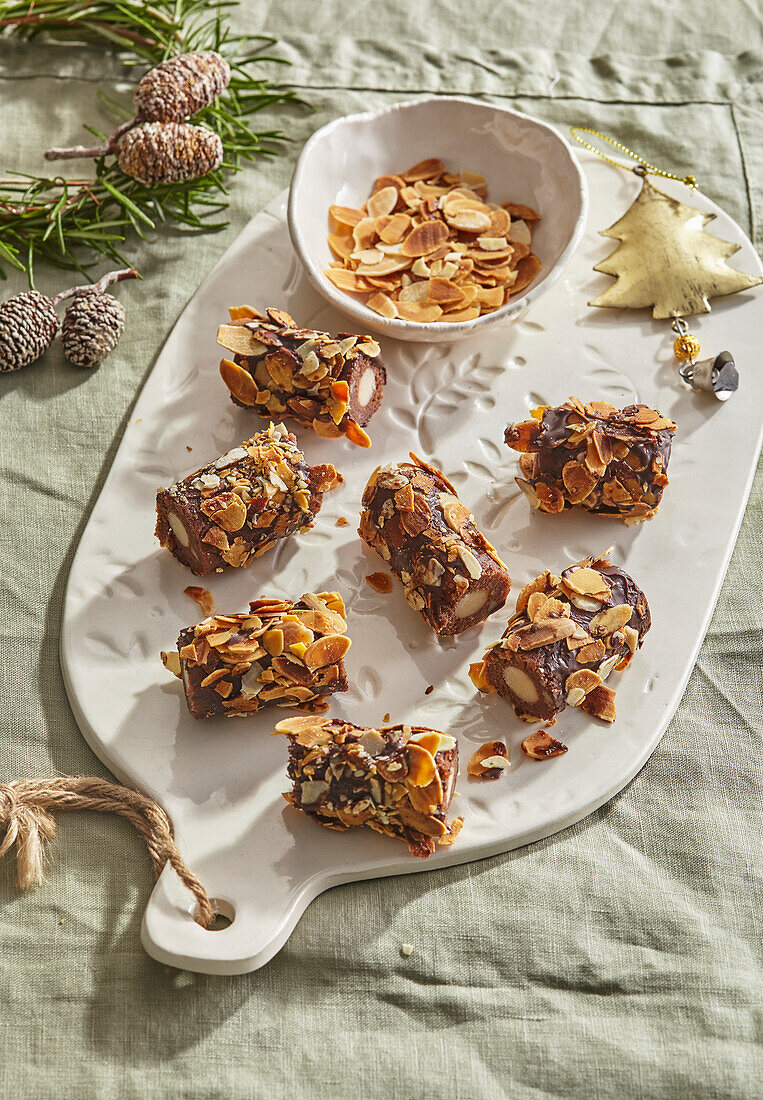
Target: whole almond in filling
(366, 387)
(521, 684)
(471, 602)
(178, 529)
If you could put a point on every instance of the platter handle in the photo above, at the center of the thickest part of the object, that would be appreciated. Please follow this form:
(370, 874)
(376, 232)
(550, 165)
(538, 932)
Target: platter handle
(245, 936)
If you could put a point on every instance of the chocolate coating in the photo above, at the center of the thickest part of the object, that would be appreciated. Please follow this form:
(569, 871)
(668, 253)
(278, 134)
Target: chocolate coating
(539, 685)
(397, 780)
(234, 665)
(450, 573)
(611, 462)
(332, 384)
(239, 506)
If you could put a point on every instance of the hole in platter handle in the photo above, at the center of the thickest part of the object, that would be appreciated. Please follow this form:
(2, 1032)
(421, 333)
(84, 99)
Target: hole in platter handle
(249, 928)
(223, 915)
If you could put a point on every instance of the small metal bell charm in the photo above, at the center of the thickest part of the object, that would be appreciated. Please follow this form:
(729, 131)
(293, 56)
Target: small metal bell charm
(717, 375)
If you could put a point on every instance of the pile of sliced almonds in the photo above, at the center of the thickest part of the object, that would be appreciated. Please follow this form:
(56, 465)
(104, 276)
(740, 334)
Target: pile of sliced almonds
(428, 246)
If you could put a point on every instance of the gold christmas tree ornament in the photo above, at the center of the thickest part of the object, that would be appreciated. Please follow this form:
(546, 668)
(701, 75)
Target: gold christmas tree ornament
(667, 262)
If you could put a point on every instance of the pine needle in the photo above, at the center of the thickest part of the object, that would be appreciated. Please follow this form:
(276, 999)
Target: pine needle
(70, 222)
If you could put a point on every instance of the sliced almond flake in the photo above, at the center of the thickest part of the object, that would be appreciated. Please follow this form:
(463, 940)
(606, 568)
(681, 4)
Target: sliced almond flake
(345, 215)
(487, 758)
(519, 233)
(387, 266)
(470, 561)
(171, 661)
(382, 304)
(393, 229)
(544, 632)
(341, 246)
(236, 455)
(586, 582)
(610, 619)
(345, 280)
(542, 746)
(601, 703)
(387, 181)
(424, 239)
(382, 202)
(473, 221)
(364, 233)
(490, 297)
(499, 223)
(606, 666)
(492, 244)
(473, 179)
(446, 293)
(368, 256)
(415, 292)
(369, 347)
(411, 197)
(425, 170)
(420, 312)
(459, 316)
(203, 598)
(519, 210)
(527, 269)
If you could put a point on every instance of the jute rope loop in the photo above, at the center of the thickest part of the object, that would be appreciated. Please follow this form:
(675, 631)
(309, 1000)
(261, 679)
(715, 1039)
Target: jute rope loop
(26, 820)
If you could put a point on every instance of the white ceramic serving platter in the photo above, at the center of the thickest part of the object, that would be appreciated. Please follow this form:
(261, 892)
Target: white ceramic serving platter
(221, 782)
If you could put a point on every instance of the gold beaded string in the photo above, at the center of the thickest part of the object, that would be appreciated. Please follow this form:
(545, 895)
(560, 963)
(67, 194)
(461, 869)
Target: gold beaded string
(644, 165)
(685, 346)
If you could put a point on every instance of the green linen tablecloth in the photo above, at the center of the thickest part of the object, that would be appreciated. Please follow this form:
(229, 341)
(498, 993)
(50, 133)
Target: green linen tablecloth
(620, 957)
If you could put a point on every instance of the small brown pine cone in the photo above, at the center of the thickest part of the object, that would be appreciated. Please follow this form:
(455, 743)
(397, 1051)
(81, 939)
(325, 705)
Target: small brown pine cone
(181, 86)
(28, 326)
(92, 326)
(168, 152)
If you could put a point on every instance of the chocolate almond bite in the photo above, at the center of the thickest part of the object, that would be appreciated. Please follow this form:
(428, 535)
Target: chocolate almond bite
(613, 462)
(414, 520)
(397, 780)
(281, 654)
(332, 384)
(239, 506)
(568, 634)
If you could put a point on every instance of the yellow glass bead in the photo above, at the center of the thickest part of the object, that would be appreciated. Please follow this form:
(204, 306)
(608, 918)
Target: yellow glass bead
(686, 347)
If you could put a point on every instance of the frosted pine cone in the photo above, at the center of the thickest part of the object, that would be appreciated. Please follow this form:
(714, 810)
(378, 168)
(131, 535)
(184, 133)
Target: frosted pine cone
(181, 86)
(169, 152)
(92, 326)
(28, 326)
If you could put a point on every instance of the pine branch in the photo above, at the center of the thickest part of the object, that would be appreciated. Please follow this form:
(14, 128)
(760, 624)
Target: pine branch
(71, 223)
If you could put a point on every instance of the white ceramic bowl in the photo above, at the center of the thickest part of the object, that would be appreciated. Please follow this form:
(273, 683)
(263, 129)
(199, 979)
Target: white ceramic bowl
(523, 160)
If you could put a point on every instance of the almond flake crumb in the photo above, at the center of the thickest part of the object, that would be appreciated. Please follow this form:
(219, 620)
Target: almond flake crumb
(382, 582)
(342, 522)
